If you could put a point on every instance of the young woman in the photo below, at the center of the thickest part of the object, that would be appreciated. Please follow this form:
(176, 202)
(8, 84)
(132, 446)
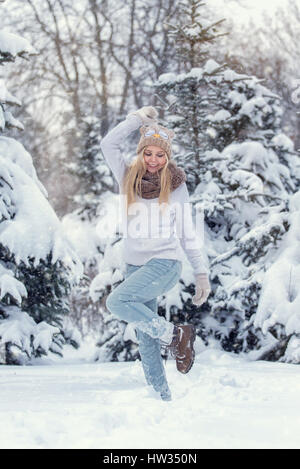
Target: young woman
(155, 187)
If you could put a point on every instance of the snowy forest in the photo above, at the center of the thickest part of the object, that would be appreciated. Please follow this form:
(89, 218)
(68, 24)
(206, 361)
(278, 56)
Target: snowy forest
(228, 84)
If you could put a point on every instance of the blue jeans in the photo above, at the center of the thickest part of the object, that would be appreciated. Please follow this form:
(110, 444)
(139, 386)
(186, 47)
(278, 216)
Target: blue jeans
(135, 301)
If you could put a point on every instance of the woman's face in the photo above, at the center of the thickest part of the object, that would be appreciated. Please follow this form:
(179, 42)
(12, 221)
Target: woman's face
(155, 158)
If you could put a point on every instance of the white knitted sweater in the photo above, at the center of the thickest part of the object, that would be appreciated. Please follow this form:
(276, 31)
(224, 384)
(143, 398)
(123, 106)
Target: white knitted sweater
(147, 232)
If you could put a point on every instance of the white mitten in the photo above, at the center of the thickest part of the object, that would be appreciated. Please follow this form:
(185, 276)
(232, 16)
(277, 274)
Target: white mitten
(148, 114)
(203, 289)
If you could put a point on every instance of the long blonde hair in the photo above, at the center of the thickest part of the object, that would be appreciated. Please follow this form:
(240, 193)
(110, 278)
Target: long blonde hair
(132, 182)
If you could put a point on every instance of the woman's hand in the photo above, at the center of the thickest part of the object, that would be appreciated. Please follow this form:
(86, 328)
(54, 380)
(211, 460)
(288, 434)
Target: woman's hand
(203, 289)
(148, 114)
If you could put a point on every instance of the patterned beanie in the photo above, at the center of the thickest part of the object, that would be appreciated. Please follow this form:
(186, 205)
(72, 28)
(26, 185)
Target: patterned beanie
(155, 134)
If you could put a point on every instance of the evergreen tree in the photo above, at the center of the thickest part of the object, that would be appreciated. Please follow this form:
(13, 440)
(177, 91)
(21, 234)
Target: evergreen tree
(248, 171)
(192, 96)
(95, 213)
(96, 182)
(113, 344)
(241, 171)
(254, 182)
(193, 35)
(37, 264)
(277, 315)
(94, 175)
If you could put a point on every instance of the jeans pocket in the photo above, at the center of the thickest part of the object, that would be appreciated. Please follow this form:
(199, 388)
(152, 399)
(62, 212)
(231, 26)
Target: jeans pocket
(161, 266)
(165, 266)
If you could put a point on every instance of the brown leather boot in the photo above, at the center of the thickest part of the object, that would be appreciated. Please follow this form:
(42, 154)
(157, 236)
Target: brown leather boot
(182, 347)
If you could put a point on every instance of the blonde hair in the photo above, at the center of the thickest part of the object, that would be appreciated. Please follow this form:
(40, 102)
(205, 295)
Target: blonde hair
(132, 182)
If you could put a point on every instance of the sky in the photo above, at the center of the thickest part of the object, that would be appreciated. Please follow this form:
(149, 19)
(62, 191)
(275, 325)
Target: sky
(244, 9)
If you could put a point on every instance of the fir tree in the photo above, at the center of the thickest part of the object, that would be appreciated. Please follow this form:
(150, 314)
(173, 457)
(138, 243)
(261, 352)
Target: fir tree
(242, 171)
(192, 95)
(247, 178)
(254, 186)
(91, 170)
(37, 264)
(93, 214)
(193, 35)
(96, 182)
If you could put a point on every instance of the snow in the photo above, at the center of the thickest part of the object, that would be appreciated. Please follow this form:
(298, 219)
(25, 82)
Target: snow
(14, 152)
(224, 402)
(284, 142)
(37, 238)
(280, 298)
(44, 233)
(210, 66)
(257, 159)
(196, 72)
(236, 98)
(249, 109)
(219, 116)
(12, 286)
(20, 329)
(14, 45)
(11, 121)
(231, 75)
(6, 96)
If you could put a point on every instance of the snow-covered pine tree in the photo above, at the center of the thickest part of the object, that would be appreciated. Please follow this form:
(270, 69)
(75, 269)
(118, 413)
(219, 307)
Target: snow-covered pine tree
(94, 229)
(277, 315)
(38, 265)
(256, 174)
(96, 183)
(193, 35)
(91, 170)
(188, 99)
(248, 171)
(241, 171)
(191, 97)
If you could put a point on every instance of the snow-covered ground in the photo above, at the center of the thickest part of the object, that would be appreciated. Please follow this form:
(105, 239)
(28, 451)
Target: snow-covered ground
(224, 402)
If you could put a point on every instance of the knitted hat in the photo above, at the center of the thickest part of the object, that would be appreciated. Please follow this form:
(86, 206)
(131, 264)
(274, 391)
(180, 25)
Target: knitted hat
(157, 135)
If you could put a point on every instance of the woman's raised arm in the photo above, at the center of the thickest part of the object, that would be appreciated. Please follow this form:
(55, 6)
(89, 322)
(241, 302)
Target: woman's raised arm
(112, 142)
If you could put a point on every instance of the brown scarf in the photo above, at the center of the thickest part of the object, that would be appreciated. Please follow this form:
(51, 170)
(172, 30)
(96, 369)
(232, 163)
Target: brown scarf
(151, 181)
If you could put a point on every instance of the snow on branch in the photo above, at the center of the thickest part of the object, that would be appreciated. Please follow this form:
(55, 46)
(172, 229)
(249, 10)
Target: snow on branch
(24, 338)
(34, 240)
(6, 97)
(12, 46)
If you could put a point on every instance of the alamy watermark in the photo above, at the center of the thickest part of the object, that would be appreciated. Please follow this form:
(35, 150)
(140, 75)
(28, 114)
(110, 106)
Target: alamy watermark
(150, 220)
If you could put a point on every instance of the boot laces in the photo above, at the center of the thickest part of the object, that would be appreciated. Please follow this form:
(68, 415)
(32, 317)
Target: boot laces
(173, 347)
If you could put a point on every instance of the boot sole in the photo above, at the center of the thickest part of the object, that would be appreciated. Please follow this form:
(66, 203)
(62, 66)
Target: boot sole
(193, 338)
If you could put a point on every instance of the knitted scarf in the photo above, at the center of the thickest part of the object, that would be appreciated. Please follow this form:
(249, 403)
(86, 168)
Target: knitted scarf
(151, 181)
